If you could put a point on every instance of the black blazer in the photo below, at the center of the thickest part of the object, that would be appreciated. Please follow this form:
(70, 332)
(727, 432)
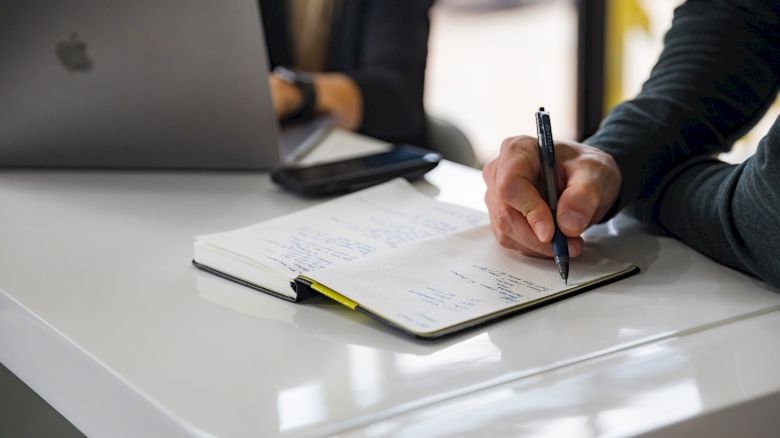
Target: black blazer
(383, 46)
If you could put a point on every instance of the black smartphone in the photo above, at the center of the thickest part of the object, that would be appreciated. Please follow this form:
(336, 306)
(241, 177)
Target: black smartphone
(405, 161)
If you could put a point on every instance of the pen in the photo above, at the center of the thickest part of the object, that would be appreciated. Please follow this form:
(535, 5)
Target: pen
(560, 245)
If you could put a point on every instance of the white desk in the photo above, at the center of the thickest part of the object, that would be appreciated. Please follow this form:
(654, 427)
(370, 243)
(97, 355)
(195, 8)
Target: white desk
(102, 314)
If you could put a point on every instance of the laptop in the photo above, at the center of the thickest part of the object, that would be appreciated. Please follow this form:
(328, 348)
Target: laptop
(140, 84)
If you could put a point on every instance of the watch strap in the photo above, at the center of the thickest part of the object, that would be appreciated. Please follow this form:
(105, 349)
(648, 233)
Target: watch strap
(304, 82)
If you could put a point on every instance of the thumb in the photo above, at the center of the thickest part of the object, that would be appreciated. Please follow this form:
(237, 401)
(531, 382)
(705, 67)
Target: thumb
(577, 207)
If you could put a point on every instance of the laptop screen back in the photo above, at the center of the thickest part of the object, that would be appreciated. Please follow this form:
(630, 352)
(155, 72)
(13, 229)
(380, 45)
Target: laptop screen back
(141, 84)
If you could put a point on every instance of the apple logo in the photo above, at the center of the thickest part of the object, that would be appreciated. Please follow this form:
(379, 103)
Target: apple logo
(73, 54)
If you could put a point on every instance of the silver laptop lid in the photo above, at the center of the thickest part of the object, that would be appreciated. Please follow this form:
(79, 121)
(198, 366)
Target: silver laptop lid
(145, 83)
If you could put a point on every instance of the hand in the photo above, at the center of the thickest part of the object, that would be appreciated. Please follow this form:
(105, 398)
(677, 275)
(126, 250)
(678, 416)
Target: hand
(286, 96)
(519, 215)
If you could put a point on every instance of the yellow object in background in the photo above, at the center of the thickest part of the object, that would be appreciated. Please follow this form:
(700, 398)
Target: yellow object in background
(650, 17)
(621, 16)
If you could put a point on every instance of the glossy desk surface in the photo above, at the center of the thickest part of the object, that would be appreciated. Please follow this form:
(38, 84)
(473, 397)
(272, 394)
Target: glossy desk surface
(103, 315)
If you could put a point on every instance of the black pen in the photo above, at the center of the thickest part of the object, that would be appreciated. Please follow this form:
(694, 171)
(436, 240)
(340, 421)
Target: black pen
(560, 244)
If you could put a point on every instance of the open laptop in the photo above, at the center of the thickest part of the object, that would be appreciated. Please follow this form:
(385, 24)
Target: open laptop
(140, 84)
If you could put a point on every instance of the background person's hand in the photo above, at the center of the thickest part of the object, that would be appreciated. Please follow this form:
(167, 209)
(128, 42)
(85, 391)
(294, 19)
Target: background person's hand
(337, 94)
(286, 97)
(590, 181)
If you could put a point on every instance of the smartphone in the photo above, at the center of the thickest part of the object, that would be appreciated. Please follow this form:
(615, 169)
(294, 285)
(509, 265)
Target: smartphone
(405, 161)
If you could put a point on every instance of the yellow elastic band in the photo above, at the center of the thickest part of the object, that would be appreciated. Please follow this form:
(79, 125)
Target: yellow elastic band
(332, 294)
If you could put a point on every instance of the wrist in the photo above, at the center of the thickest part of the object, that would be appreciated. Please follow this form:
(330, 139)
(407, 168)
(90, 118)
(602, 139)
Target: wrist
(614, 185)
(303, 97)
(293, 98)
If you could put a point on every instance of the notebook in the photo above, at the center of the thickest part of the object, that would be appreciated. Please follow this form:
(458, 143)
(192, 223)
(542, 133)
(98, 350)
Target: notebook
(419, 265)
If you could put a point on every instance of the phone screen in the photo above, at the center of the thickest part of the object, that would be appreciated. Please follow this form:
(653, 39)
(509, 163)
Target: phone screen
(352, 174)
(397, 157)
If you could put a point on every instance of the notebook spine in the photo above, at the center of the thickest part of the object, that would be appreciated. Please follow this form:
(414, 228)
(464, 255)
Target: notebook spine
(302, 288)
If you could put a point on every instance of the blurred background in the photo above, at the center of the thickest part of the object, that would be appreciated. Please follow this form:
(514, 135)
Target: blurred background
(492, 63)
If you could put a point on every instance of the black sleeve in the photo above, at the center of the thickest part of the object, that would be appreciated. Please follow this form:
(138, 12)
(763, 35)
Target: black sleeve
(728, 212)
(719, 72)
(391, 68)
(716, 77)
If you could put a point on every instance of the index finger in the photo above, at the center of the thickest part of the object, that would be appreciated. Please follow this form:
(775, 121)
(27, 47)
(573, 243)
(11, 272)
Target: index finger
(516, 174)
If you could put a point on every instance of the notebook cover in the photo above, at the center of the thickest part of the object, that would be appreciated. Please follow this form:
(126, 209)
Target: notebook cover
(295, 299)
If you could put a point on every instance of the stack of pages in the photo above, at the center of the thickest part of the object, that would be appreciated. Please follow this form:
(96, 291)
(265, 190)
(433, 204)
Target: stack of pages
(417, 264)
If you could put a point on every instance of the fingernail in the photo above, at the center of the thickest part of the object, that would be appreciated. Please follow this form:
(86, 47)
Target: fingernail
(540, 228)
(573, 221)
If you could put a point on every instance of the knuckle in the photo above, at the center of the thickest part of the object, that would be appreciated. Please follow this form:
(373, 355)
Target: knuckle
(502, 222)
(489, 167)
(487, 175)
(534, 215)
(504, 240)
(505, 188)
(598, 162)
(530, 207)
(507, 143)
(587, 197)
(526, 139)
(489, 172)
(526, 162)
(568, 145)
(591, 196)
(517, 143)
(509, 186)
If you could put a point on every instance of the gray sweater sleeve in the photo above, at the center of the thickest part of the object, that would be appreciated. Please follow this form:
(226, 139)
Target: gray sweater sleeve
(717, 75)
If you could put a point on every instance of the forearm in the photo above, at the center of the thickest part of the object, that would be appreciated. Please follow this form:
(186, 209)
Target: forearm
(715, 78)
(339, 95)
(728, 212)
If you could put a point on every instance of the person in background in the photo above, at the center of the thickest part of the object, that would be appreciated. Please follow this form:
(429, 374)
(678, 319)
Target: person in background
(717, 75)
(361, 60)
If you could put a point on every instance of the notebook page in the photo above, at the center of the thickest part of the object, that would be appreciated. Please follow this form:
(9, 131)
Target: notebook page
(345, 229)
(429, 286)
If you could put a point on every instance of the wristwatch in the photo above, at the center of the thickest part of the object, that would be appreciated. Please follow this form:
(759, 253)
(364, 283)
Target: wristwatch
(305, 83)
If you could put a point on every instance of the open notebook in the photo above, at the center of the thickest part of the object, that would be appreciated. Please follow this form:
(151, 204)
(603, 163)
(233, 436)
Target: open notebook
(422, 266)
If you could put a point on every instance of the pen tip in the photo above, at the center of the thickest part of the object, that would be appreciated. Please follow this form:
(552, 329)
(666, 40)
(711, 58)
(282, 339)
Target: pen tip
(563, 269)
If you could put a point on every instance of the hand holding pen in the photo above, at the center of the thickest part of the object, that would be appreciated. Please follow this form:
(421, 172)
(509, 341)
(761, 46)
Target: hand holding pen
(521, 218)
